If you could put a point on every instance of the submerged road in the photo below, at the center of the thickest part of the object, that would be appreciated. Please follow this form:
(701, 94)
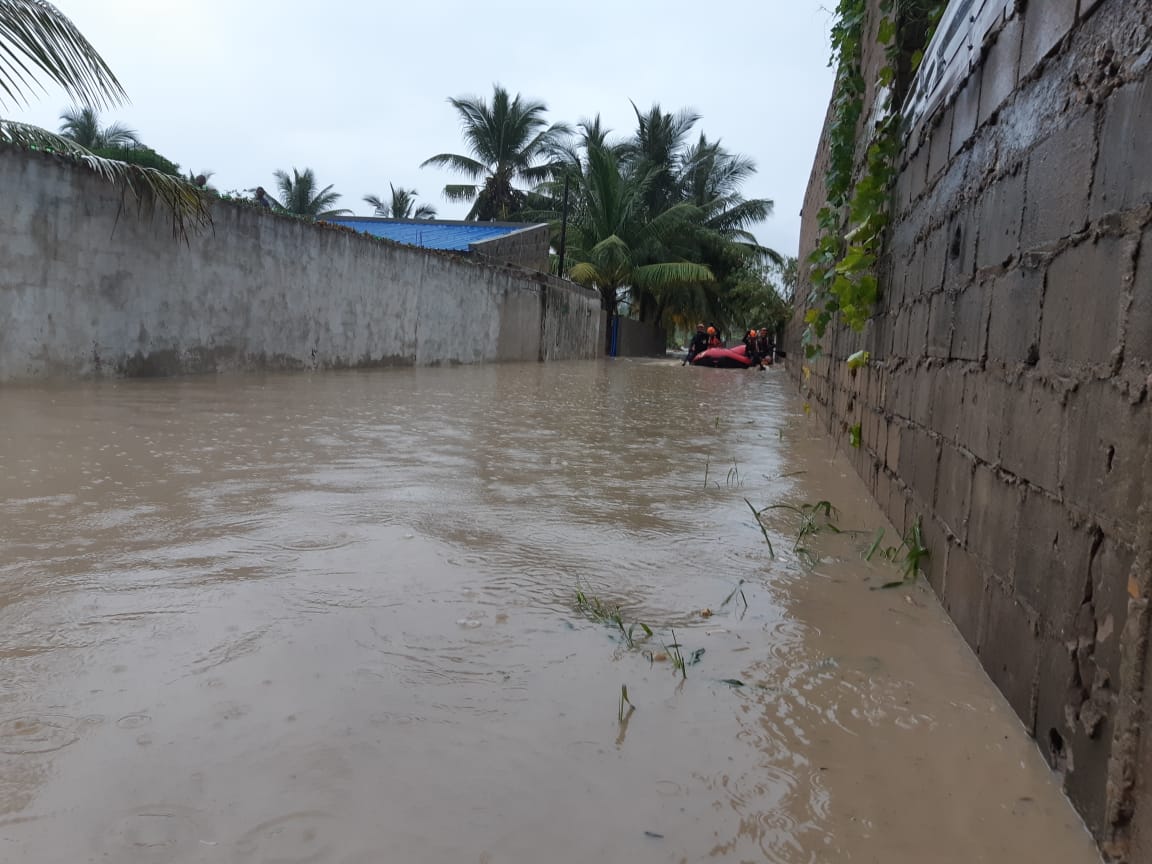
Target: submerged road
(368, 617)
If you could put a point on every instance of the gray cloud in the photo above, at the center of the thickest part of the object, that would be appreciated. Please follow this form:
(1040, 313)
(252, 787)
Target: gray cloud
(356, 90)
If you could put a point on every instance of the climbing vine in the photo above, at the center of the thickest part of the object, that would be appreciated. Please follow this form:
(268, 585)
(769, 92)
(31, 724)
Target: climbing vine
(853, 221)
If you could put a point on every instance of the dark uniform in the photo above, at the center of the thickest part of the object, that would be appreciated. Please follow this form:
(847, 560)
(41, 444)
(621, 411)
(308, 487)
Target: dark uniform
(699, 343)
(764, 346)
(751, 349)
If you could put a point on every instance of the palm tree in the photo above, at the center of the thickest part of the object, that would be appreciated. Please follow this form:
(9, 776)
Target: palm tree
(82, 125)
(711, 179)
(659, 143)
(569, 153)
(509, 141)
(38, 41)
(299, 195)
(401, 205)
(618, 247)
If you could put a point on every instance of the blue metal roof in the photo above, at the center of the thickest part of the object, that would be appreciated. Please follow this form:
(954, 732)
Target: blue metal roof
(428, 233)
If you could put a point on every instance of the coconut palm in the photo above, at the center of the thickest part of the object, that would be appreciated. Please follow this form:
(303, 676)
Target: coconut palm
(82, 125)
(618, 247)
(509, 141)
(659, 143)
(39, 43)
(702, 218)
(400, 205)
(299, 195)
(711, 178)
(569, 152)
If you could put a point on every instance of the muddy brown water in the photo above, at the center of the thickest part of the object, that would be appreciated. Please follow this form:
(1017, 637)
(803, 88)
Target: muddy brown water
(331, 618)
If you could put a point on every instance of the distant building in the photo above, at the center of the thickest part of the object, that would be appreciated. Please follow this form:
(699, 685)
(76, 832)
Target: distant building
(517, 243)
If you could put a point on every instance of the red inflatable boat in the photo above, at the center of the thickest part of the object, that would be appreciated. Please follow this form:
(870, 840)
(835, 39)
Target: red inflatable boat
(724, 358)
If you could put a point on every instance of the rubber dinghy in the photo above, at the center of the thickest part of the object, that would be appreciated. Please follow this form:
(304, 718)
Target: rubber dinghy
(724, 358)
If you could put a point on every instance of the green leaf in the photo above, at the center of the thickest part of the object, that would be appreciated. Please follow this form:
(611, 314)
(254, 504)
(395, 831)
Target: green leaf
(185, 204)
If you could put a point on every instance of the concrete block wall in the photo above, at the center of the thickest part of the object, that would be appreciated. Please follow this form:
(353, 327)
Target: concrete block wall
(88, 287)
(1006, 404)
(528, 247)
(637, 338)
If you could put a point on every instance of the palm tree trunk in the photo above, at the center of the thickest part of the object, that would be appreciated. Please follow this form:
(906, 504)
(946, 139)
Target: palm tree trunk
(608, 300)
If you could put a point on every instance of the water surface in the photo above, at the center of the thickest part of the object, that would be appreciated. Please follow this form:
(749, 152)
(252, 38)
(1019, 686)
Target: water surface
(332, 618)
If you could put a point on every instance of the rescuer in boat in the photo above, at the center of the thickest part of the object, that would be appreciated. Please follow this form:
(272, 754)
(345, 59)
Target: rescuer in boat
(750, 347)
(714, 340)
(699, 343)
(764, 348)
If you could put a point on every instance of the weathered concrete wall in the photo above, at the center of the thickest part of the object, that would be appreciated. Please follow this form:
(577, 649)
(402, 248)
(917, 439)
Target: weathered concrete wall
(1006, 403)
(632, 338)
(528, 247)
(88, 288)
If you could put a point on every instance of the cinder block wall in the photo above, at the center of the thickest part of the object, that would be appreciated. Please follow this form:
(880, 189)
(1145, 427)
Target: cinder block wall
(528, 247)
(639, 339)
(1006, 404)
(88, 287)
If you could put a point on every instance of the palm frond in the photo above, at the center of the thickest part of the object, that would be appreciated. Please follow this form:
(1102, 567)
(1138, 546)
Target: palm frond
(667, 274)
(585, 274)
(377, 204)
(461, 192)
(455, 162)
(298, 195)
(118, 135)
(186, 206)
(728, 215)
(36, 39)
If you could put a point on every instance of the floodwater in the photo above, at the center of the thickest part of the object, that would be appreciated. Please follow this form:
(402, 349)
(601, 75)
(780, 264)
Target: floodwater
(333, 618)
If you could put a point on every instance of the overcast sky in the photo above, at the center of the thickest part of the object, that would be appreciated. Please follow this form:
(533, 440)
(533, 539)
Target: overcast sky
(356, 89)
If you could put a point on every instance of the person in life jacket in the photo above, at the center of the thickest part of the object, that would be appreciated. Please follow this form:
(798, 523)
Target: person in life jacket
(714, 340)
(750, 349)
(699, 343)
(764, 347)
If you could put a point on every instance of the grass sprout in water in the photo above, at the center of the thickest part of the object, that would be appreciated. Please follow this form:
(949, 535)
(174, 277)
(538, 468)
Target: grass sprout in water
(591, 606)
(624, 700)
(637, 633)
(732, 479)
(763, 529)
(676, 655)
(910, 554)
(813, 519)
(739, 589)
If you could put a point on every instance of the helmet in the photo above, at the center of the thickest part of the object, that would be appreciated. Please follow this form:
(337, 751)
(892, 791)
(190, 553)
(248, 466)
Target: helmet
(752, 332)
(711, 331)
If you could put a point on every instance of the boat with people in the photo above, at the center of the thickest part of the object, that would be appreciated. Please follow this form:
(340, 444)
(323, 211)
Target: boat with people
(708, 349)
(724, 358)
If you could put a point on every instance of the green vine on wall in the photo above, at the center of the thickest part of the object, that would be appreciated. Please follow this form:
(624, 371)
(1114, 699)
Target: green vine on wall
(853, 221)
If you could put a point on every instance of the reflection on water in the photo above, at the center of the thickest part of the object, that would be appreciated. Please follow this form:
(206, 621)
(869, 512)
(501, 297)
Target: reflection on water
(331, 619)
